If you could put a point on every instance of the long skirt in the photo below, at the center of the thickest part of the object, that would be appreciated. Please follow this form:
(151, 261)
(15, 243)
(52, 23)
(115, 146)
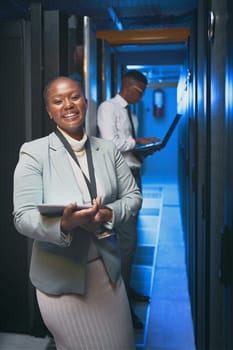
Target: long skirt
(100, 320)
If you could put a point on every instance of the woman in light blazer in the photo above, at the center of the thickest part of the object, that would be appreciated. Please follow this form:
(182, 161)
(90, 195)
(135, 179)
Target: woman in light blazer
(75, 263)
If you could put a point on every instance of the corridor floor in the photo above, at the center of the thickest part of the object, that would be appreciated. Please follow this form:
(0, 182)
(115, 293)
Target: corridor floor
(159, 269)
(168, 325)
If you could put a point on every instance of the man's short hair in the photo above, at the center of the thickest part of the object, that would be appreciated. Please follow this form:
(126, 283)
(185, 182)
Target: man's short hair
(135, 74)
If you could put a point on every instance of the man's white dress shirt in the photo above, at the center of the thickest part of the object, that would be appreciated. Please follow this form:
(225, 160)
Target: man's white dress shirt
(113, 124)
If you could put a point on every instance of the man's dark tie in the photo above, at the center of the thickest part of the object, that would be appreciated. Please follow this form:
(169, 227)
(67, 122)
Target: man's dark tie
(131, 121)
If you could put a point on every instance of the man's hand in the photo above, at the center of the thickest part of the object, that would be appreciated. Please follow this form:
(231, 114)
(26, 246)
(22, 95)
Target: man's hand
(145, 140)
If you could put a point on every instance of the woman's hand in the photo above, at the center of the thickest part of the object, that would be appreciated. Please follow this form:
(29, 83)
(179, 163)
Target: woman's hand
(102, 216)
(96, 224)
(85, 218)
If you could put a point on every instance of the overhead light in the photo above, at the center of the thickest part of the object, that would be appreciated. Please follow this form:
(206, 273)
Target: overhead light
(133, 66)
(115, 18)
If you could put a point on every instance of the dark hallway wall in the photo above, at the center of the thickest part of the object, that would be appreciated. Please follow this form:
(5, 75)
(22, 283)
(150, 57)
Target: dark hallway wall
(15, 289)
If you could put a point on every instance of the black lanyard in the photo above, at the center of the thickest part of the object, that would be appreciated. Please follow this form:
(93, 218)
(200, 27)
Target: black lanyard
(91, 185)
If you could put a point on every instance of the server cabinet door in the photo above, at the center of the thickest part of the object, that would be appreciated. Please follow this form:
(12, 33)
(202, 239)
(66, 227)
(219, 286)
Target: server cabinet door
(55, 52)
(16, 294)
(104, 71)
(90, 74)
(218, 170)
(227, 230)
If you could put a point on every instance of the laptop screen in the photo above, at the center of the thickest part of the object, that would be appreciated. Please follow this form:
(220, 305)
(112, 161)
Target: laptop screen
(160, 144)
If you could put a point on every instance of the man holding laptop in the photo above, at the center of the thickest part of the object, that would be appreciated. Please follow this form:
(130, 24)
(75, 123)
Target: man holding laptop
(116, 123)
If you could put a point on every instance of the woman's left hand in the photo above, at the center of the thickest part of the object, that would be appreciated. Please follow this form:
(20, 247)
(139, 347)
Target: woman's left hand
(73, 218)
(96, 224)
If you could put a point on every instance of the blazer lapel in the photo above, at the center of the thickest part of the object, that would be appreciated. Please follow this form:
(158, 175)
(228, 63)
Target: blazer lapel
(101, 170)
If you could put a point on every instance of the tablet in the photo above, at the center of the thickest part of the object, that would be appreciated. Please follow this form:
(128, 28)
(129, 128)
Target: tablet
(53, 209)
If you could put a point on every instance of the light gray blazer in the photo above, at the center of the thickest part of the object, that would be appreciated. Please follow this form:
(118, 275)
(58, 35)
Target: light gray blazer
(44, 175)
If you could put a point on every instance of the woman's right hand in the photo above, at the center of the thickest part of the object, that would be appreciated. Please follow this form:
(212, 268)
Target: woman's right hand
(73, 218)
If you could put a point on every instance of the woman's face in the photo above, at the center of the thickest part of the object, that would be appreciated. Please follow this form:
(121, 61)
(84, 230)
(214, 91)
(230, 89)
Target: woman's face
(67, 106)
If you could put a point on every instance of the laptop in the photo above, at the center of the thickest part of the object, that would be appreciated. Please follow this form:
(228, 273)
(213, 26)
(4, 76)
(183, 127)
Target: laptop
(157, 146)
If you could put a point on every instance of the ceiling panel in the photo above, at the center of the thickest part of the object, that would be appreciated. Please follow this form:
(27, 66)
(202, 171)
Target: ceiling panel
(132, 15)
